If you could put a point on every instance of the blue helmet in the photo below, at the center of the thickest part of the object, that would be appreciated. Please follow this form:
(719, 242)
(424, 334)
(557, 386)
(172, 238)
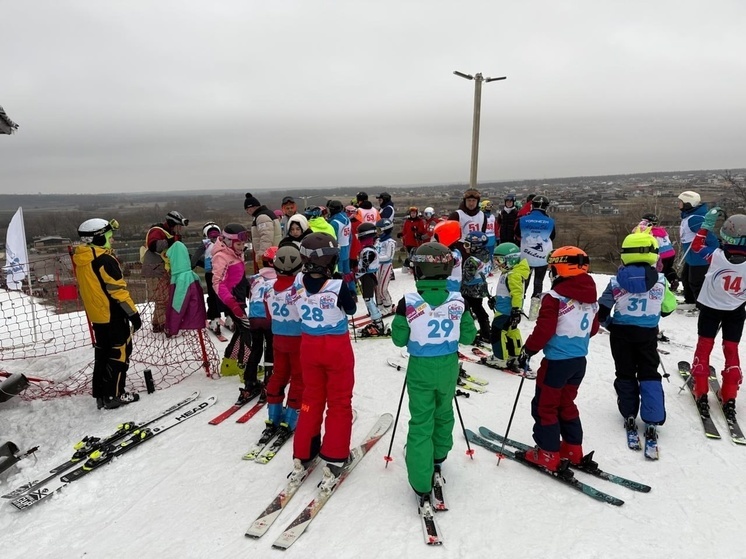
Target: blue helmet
(476, 239)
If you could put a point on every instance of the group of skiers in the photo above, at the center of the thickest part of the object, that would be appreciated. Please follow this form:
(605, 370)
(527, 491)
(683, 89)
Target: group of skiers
(293, 311)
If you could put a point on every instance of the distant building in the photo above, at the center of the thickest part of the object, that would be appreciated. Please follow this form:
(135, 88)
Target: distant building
(51, 243)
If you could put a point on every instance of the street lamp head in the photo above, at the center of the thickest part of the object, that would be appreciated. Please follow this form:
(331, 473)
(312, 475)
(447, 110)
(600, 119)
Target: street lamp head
(462, 75)
(495, 79)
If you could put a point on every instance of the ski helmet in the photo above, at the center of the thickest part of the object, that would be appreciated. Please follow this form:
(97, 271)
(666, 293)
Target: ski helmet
(485, 205)
(540, 202)
(414, 209)
(350, 210)
(335, 207)
(510, 196)
(319, 252)
(432, 261)
(384, 227)
(475, 240)
(235, 233)
(312, 212)
(429, 212)
(507, 255)
(689, 199)
(733, 231)
(639, 248)
(97, 231)
(175, 218)
(384, 197)
(568, 261)
(210, 230)
(651, 218)
(447, 232)
(366, 230)
(288, 260)
(268, 257)
(361, 197)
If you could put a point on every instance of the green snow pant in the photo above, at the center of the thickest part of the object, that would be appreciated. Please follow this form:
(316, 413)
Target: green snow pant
(431, 385)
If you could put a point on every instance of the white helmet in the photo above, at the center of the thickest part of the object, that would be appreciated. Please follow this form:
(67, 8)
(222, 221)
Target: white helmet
(428, 212)
(210, 226)
(690, 199)
(93, 231)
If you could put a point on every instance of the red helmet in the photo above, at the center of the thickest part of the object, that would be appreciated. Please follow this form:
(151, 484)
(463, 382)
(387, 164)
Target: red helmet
(268, 257)
(447, 232)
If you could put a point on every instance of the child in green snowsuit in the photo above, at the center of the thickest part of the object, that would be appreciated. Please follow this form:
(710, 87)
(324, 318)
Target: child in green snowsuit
(431, 323)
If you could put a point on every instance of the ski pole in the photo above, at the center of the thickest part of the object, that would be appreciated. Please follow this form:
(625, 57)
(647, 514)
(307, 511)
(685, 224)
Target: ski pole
(512, 413)
(388, 458)
(469, 451)
(665, 374)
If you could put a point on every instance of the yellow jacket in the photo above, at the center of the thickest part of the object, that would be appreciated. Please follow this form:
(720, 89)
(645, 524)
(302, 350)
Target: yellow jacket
(101, 284)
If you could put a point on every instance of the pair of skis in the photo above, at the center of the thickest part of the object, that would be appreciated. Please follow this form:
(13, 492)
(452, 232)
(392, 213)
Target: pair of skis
(121, 442)
(492, 441)
(711, 431)
(268, 445)
(361, 321)
(296, 528)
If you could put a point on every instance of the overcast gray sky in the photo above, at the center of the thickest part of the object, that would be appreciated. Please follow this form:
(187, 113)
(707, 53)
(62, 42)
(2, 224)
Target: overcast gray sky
(186, 94)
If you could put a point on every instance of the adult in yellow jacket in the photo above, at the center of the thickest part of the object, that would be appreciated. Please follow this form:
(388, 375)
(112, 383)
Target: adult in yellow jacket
(110, 309)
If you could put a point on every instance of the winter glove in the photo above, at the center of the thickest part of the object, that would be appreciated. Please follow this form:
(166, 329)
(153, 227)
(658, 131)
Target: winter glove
(515, 317)
(243, 322)
(136, 321)
(711, 217)
(523, 360)
(491, 303)
(674, 285)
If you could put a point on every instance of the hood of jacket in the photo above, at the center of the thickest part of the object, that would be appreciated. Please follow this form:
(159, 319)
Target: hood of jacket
(637, 278)
(699, 210)
(300, 220)
(581, 288)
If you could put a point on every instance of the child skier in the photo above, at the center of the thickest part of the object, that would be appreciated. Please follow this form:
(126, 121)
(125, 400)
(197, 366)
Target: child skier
(505, 336)
(639, 296)
(230, 284)
(431, 323)
(448, 233)
(202, 258)
(566, 321)
(327, 360)
(367, 275)
(474, 281)
(412, 232)
(386, 247)
(286, 337)
(721, 305)
(490, 229)
(259, 319)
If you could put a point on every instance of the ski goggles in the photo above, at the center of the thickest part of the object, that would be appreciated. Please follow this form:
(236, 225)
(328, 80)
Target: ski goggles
(241, 236)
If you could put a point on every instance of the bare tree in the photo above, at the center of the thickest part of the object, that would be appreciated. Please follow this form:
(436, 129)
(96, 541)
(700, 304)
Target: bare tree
(738, 187)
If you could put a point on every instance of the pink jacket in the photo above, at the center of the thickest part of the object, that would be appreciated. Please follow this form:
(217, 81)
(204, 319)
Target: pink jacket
(229, 278)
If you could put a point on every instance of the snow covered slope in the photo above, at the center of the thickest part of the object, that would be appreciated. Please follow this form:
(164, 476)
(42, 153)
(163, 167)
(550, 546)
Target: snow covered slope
(189, 494)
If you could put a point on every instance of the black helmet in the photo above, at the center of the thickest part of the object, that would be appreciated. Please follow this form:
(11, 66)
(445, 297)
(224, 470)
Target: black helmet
(175, 218)
(510, 196)
(366, 230)
(234, 232)
(361, 196)
(384, 226)
(384, 196)
(319, 252)
(288, 261)
(335, 207)
(651, 218)
(432, 261)
(540, 201)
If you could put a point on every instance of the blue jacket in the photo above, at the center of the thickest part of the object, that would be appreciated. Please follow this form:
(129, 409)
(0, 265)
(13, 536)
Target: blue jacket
(691, 222)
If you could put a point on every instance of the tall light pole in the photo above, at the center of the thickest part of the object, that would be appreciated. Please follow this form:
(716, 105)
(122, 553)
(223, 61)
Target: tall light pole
(478, 79)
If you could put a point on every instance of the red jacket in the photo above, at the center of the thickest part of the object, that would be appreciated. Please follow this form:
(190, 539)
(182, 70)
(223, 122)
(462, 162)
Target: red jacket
(412, 232)
(354, 241)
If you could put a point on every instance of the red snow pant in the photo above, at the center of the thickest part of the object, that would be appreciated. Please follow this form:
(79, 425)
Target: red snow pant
(328, 378)
(287, 369)
(731, 324)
